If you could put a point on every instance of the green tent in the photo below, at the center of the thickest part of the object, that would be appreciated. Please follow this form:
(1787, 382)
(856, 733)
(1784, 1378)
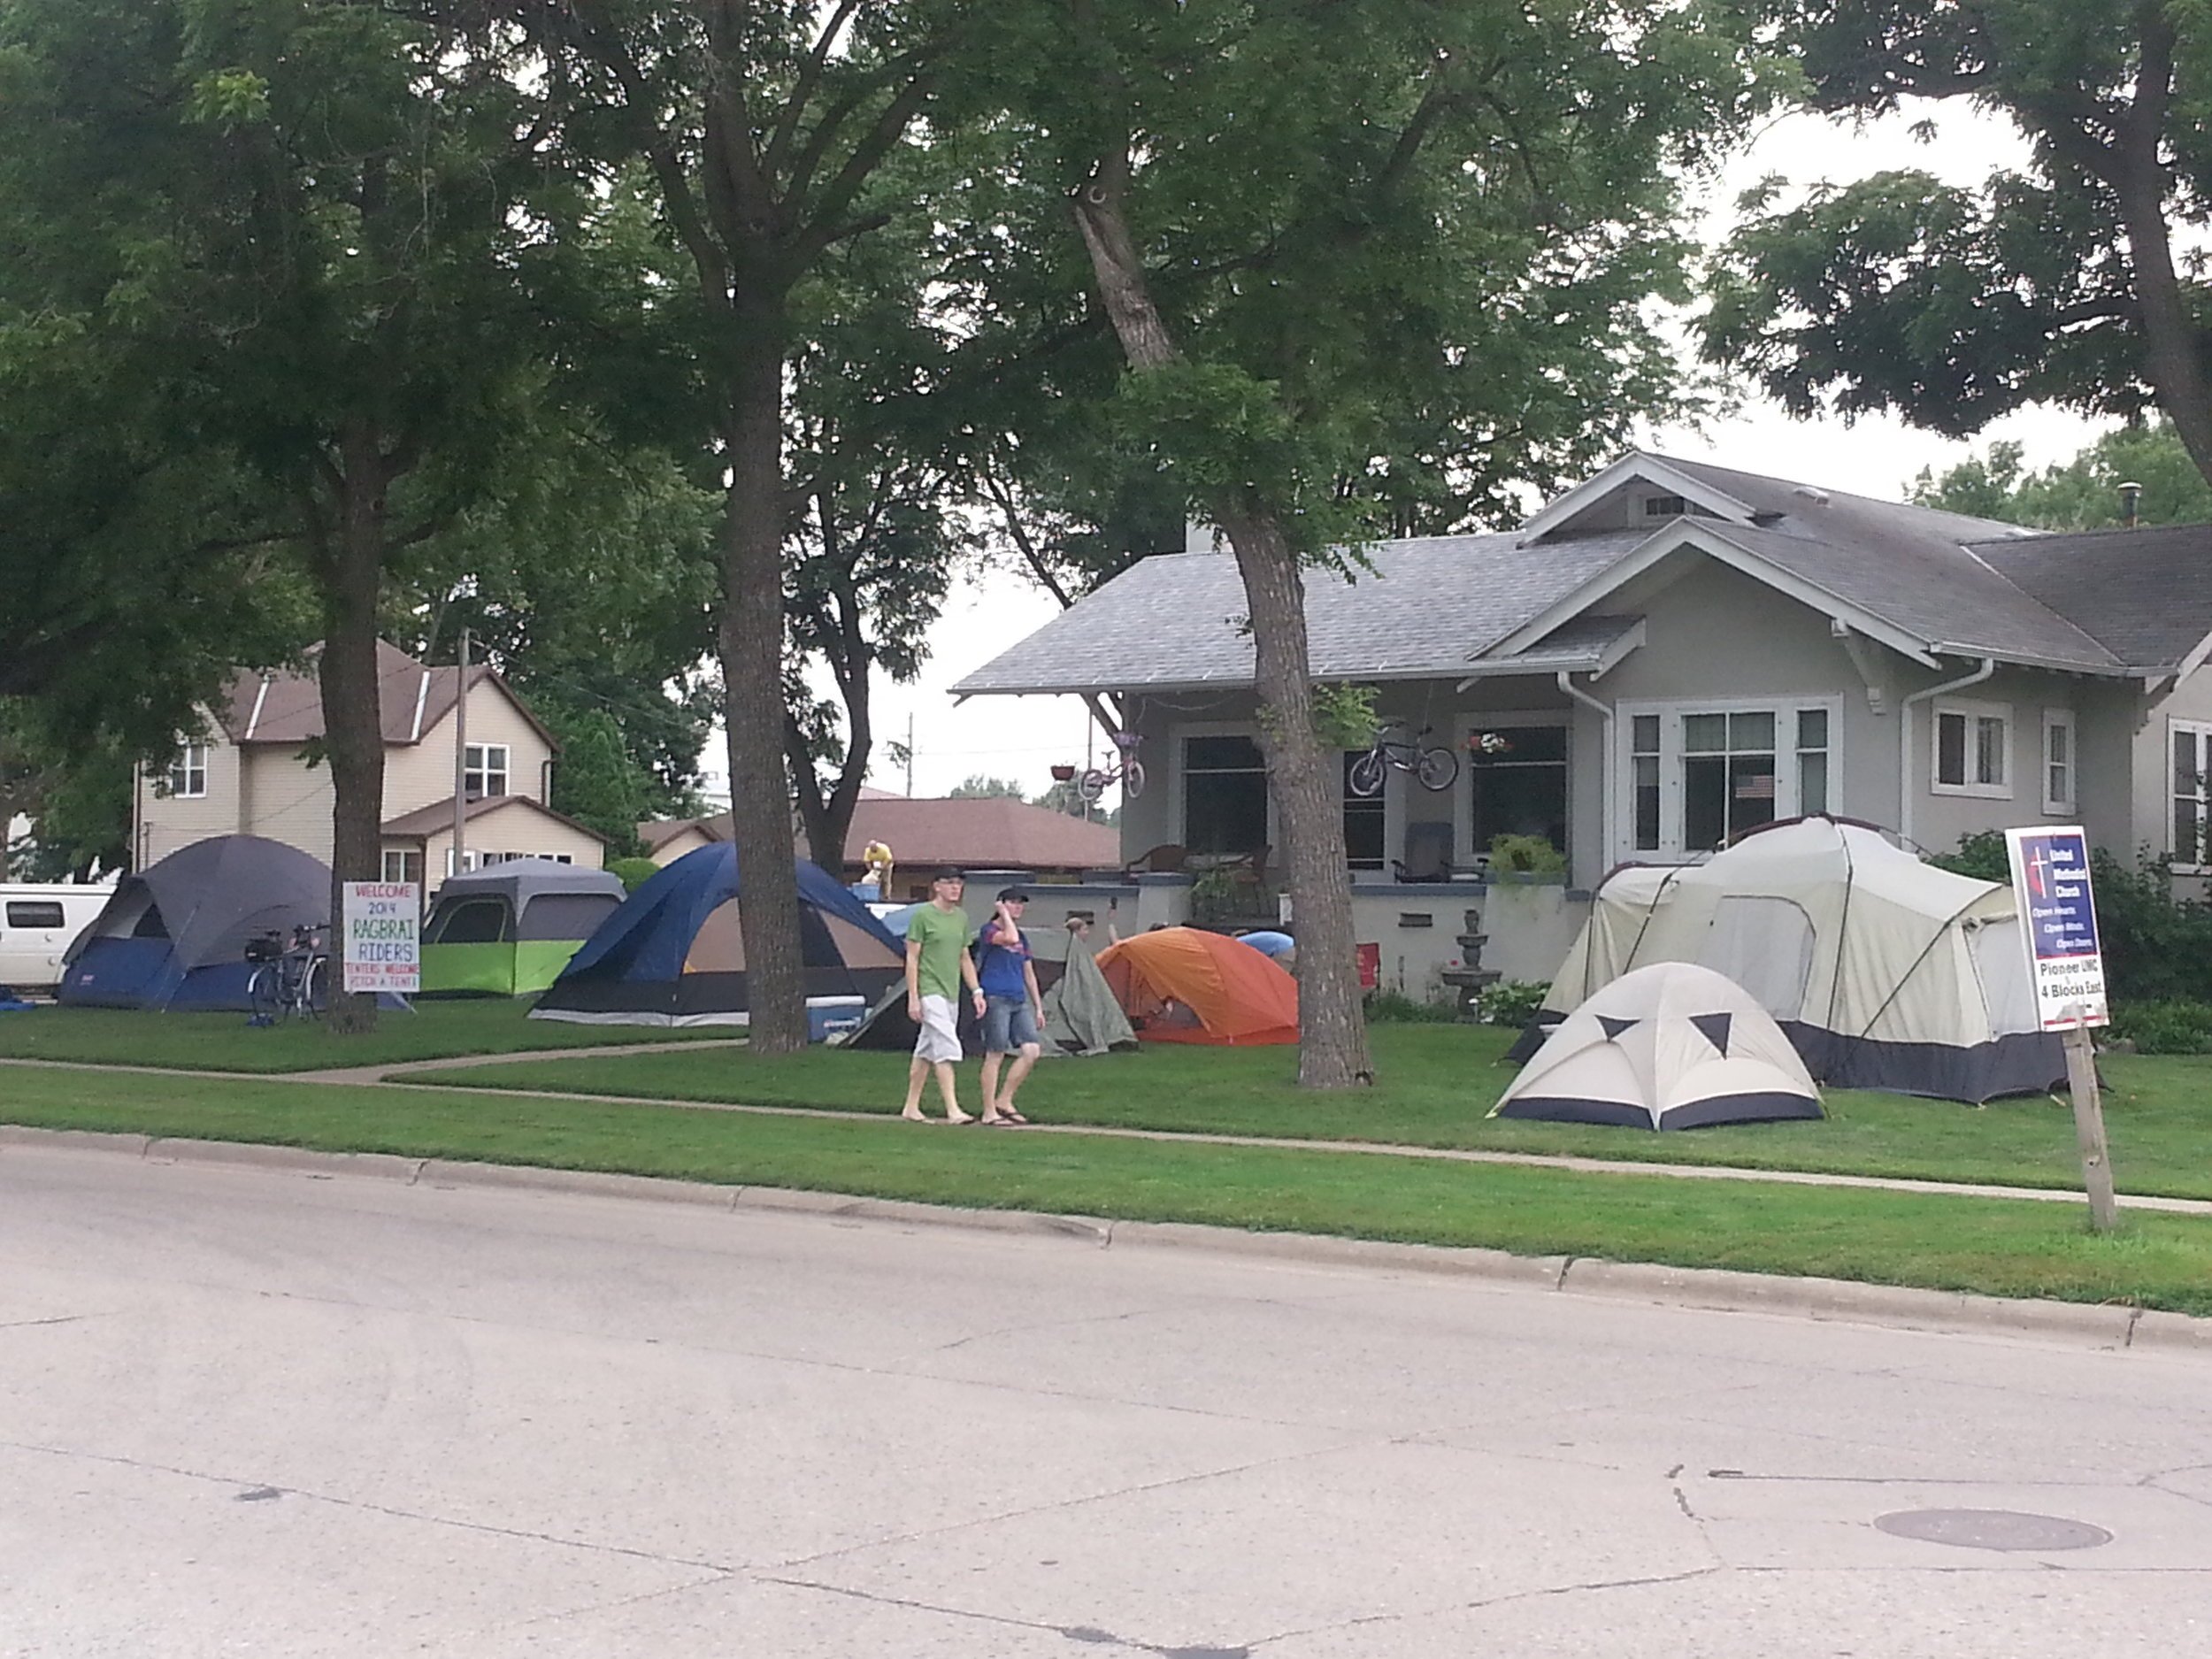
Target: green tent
(508, 929)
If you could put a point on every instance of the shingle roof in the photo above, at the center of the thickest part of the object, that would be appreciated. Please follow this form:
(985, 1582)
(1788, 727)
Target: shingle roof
(2144, 594)
(1959, 586)
(980, 831)
(428, 820)
(1429, 606)
(1940, 593)
(410, 700)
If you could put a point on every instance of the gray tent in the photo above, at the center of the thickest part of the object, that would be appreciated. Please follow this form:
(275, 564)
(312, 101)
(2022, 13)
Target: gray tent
(1672, 1046)
(174, 934)
(1081, 1015)
(510, 928)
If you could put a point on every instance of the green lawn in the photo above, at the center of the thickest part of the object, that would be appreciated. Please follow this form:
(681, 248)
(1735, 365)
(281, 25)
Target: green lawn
(1994, 1247)
(225, 1042)
(1437, 1084)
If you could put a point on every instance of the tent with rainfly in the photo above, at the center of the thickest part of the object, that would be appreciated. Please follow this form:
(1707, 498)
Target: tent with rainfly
(1672, 1046)
(1185, 984)
(510, 928)
(1884, 971)
(673, 954)
(174, 934)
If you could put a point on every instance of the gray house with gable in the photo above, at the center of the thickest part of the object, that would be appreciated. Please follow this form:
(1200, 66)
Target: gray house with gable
(1673, 653)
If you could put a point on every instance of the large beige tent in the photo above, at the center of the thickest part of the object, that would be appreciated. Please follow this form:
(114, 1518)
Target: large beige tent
(1885, 972)
(1672, 1046)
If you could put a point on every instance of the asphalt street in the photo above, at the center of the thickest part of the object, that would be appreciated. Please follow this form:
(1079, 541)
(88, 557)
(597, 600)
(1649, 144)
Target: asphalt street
(255, 1413)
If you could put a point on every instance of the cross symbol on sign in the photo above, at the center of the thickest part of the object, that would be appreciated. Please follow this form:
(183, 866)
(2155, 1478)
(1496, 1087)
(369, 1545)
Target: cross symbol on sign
(2039, 871)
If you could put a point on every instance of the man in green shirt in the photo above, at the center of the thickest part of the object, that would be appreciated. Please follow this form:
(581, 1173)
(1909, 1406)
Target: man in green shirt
(938, 963)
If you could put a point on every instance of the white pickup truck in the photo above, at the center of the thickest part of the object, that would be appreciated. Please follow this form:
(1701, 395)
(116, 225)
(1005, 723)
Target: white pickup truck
(38, 922)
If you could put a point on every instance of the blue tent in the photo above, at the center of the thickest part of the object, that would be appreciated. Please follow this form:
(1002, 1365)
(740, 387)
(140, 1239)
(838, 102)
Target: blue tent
(175, 935)
(674, 953)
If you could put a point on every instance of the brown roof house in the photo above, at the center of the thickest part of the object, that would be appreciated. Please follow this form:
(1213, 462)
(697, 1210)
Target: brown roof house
(971, 832)
(247, 772)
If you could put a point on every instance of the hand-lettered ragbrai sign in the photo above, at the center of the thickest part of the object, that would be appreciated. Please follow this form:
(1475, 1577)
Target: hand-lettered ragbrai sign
(382, 948)
(2058, 916)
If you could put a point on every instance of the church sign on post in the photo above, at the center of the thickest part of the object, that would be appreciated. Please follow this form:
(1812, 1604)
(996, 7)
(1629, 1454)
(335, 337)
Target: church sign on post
(383, 936)
(2058, 916)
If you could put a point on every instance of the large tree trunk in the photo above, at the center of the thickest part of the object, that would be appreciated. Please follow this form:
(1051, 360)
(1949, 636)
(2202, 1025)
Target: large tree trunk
(353, 727)
(752, 677)
(1308, 793)
(1331, 1024)
(2174, 360)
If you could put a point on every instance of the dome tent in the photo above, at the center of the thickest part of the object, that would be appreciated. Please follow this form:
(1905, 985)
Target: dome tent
(174, 935)
(1184, 984)
(1672, 1046)
(673, 954)
(510, 928)
(1884, 971)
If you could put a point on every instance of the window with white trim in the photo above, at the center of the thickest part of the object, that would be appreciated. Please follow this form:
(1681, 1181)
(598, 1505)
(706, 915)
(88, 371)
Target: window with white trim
(2191, 790)
(484, 770)
(1366, 818)
(1973, 750)
(400, 865)
(187, 773)
(1224, 793)
(1700, 775)
(2058, 760)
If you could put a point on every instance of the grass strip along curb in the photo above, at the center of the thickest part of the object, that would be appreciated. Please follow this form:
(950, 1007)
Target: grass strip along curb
(224, 1042)
(1437, 1084)
(1986, 1246)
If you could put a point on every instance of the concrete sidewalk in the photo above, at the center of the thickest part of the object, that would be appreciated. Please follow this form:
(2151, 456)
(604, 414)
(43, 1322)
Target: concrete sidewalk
(397, 1077)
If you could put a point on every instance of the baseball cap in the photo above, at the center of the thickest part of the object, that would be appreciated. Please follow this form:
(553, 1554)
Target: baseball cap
(1012, 896)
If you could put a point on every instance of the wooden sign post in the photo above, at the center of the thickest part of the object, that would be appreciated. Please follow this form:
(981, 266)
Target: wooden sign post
(2058, 923)
(2096, 1164)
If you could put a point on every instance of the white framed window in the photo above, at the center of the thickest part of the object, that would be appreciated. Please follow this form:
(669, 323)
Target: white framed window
(400, 865)
(1698, 775)
(1516, 768)
(188, 773)
(2058, 760)
(1224, 807)
(470, 860)
(484, 770)
(1973, 750)
(2191, 743)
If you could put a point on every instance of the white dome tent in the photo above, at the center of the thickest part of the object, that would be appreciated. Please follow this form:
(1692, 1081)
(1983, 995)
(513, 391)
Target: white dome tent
(1884, 971)
(1673, 1046)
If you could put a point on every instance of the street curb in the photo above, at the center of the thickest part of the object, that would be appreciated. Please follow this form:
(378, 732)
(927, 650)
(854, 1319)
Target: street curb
(1706, 1289)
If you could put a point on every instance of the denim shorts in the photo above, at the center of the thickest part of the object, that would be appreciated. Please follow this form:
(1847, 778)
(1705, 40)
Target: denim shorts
(1008, 1024)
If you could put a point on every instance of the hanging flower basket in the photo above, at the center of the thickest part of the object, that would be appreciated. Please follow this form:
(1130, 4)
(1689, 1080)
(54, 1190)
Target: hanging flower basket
(1489, 744)
(1063, 774)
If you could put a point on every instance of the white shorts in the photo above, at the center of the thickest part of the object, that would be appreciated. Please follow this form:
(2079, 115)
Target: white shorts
(940, 1038)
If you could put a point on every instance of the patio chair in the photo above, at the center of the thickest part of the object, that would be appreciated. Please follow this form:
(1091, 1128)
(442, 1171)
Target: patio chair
(1165, 859)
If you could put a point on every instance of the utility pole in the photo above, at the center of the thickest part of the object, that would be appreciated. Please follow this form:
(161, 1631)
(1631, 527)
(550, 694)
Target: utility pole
(910, 753)
(460, 758)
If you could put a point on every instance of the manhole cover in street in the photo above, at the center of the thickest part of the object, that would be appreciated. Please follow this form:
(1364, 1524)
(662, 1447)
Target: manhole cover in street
(1994, 1529)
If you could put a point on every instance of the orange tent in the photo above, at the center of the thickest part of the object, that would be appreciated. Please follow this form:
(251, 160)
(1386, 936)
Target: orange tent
(1182, 984)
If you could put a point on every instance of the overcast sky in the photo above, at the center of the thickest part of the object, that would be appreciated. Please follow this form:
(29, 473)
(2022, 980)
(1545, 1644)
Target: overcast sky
(1021, 737)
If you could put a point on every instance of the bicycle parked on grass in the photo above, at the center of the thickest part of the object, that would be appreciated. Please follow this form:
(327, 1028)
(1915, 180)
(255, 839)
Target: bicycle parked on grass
(291, 975)
(1433, 765)
(1128, 772)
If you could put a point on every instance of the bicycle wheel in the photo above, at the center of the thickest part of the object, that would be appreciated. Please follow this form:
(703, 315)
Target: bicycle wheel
(1133, 780)
(1366, 775)
(1437, 769)
(1090, 785)
(262, 995)
(315, 988)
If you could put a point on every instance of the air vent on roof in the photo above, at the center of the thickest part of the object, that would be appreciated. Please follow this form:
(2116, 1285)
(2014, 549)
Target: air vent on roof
(1818, 497)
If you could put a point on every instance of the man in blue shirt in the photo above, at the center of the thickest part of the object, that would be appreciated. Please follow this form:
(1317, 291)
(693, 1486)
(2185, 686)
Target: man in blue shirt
(1013, 1008)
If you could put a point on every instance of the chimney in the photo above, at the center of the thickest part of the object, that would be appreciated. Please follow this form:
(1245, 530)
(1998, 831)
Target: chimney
(2131, 504)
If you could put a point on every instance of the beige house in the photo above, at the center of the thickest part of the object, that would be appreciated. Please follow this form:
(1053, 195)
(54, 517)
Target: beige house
(249, 771)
